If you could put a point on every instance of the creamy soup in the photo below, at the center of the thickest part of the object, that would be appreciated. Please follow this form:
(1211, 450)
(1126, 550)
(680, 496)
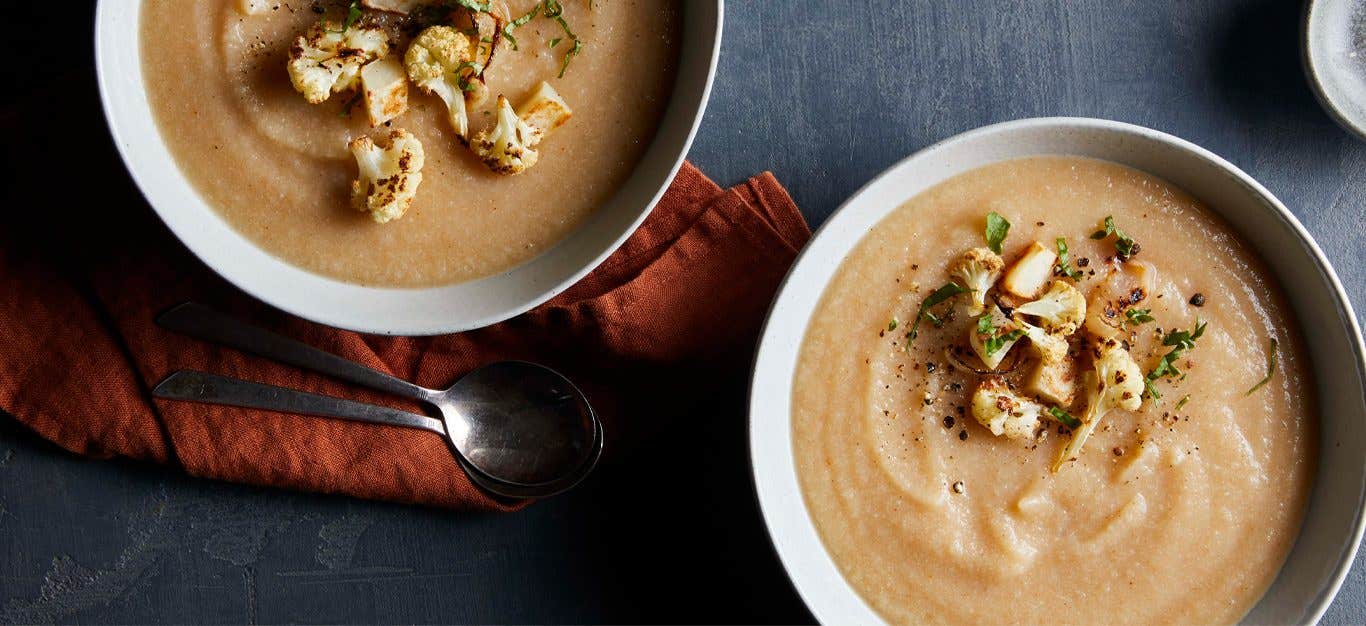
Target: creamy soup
(1181, 511)
(279, 171)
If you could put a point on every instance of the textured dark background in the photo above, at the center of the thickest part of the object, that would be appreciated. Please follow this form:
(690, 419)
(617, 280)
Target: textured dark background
(826, 94)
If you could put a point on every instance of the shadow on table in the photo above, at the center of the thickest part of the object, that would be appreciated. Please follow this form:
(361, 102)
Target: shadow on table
(681, 535)
(668, 534)
(1259, 71)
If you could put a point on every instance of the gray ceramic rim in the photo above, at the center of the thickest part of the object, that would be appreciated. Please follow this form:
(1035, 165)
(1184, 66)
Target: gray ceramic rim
(1315, 568)
(1321, 91)
(394, 311)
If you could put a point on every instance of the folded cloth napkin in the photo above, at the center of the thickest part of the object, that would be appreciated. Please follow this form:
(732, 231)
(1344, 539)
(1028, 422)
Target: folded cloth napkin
(669, 315)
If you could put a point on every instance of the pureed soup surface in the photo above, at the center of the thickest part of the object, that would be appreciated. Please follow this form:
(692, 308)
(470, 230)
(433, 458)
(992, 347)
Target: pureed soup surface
(278, 169)
(1168, 515)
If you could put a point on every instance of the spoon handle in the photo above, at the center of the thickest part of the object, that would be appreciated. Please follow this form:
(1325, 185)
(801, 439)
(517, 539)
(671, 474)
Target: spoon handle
(197, 320)
(214, 389)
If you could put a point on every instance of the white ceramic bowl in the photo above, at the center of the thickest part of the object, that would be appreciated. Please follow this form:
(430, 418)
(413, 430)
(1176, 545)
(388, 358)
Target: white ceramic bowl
(1334, 62)
(1333, 525)
(424, 311)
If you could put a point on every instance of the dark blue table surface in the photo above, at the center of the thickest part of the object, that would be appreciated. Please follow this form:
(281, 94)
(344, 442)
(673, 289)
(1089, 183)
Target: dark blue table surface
(825, 94)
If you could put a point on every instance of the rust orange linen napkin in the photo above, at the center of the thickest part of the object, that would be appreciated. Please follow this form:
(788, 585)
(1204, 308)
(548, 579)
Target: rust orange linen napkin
(646, 335)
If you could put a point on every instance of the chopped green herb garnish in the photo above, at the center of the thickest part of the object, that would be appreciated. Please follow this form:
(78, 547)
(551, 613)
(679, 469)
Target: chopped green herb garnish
(463, 77)
(1064, 417)
(891, 326)
(353, 13)
(1182, 402)
(1107, 231)
(1185, 340)
(1150, 389)
(991, 340)
(573, 52)
(994, 344)
(1124, 244)
(1064, 266)
(554, 42)
(521, 21)
(1180, 341)
(1126, 247)
(997, 227)
(939, 296)
(1139, 316)
(1270, 367)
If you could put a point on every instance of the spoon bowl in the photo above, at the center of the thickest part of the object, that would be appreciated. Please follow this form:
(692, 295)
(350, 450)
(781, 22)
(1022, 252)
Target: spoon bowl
(513, 490)
(519, 423)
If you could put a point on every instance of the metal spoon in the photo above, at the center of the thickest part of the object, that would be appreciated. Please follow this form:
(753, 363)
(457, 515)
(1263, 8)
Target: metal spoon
(197, 386)
(522, 428)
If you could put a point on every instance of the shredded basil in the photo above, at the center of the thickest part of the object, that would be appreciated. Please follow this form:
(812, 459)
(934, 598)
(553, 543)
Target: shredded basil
(1064, 266)
(557, 15)
(997, 228)
(517, 23)
(992, 341)
(1064, 417)
(573, 52)
(939, 296)
(353, 13)
(1139, 316)
(1270, 367)
(1124, 244)
(1179, 341)
(1182, 402)
(550, 9)
(463, 77)
(994, 344)
(891, 326)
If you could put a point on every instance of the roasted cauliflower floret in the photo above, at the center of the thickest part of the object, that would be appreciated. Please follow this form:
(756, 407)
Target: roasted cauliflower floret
(506, 148)
(1052, 375)
(978, 268)
(438, 61)
(389, 175)
(992, 337)
(1027, 277)
(544, 111)
(385, 90)
(1002, 412)
(1062, 308)
(1116, 383)
(325, 60)
(1050, 347)
(1053, 382)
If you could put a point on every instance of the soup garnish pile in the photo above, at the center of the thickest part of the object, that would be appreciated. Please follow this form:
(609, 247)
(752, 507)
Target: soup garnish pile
(1042, 350)
(457, 43)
